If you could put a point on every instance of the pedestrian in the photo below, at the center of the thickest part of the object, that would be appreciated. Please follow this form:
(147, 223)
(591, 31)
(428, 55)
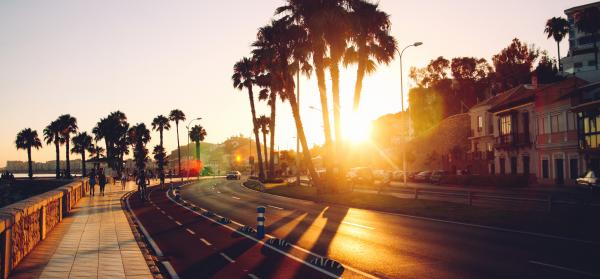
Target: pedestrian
(102, 181)
(92, 181)
(123, 180)
(141, 182)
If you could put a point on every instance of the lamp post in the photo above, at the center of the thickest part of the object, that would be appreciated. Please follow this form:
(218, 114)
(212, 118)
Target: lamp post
(188, 144)
(416, 44)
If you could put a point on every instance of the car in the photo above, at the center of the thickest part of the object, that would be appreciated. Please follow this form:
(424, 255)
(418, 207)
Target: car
(423, 176)
(438, 176)
(360, 176)
(234, 175)
(590, 179)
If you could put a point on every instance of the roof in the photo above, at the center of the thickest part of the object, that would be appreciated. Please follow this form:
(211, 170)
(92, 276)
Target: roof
(516, 96)
(581, 7)
(559, 91)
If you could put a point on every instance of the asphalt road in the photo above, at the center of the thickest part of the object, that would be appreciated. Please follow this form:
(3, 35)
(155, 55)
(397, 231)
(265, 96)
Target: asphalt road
(367, 243)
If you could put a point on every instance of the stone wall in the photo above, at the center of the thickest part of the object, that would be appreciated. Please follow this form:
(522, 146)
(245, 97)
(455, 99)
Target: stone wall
(24, 224)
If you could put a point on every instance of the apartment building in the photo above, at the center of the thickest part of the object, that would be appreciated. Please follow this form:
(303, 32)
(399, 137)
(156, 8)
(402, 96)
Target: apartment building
(586, 105)
(580, 60)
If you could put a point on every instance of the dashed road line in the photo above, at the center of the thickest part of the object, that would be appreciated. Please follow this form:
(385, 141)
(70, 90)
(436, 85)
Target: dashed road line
(235, 197)
(178, 224)
(163, 212)
(358, 225)
(564, 269)
(227, 258)
(276, 207)
(169, 216)
(252, 276)
(218, 192)
(190, 231)
(205, 242)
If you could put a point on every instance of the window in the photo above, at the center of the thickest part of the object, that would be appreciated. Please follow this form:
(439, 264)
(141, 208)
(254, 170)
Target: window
(513, 165)
(502, 166)
(505, 125)
(545, 169)
(555, 128)
(526, 165)
(540, 126)
(574, 168)
(490, 147)
(479, 123)
(547, 125)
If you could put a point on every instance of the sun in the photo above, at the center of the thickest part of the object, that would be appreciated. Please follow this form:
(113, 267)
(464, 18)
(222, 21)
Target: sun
(356, 129)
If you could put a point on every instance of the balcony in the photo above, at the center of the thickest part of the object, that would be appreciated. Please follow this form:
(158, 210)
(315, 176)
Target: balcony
(513, 141)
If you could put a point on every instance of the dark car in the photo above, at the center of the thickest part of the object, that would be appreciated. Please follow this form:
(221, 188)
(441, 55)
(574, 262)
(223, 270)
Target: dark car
(234, 175)
(360, 176)
(438, 176)
(423, 176)
(590, 180)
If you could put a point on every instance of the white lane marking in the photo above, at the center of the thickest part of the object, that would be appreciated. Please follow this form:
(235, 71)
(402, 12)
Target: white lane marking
(170, 270)
(227, 258)
(163, 212)
(564, 268)
(205, 242)
(276, 207)
(190, 231)
(169, 216)
(358, 225)
(178, 224)
(143, 229)
(252, 276)
(218, 192)
(278, 250)
(235, 197)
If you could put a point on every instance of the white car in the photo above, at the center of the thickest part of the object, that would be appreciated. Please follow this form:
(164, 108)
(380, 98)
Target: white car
(589, 179)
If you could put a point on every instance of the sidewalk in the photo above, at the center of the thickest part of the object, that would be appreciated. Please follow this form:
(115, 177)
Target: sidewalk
(94, 242)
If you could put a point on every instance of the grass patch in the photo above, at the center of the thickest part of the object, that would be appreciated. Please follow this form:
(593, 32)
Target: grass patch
(568, 223)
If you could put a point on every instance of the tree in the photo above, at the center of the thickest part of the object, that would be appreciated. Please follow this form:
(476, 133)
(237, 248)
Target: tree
(96, 151)
(160, 124)
(514, 64)
(52, 136)
(263, 122)
(588, 21)
(546, 70)
(139, 136)
(27, 139)
(436, 71)
(160, 156)
(176, 116)
(372, 42)
(244, 76)
(471, 79)
(197, 134)
(557, 28)
(113, 129)
(68, 126)
(82, 142)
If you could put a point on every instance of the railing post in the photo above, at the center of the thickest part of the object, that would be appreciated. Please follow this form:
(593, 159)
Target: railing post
(260, 227)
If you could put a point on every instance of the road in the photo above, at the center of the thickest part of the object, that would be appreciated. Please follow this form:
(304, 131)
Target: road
(367, 243)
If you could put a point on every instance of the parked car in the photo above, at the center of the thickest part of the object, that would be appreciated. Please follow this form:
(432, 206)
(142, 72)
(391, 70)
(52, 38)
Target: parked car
(234, 175)
(438, 176)
(423, 176)
(360, 176)
(590, 179)
(398, 176)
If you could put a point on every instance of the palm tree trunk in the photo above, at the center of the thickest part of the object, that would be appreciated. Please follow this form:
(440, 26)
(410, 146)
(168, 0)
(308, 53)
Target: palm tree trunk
(57, 146)
(198, 158)
(272, 129)
(360, 75)
(269, 173)
(178, 148)
(83, 169)
(302, 136)
(558, 48)
(29, 163)
(320, 73)
(261, 172)
(335, 84)
(68, 170)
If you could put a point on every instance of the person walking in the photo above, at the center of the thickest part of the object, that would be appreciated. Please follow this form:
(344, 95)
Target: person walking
(102, 181)
(92, 181)
(123, 180)
(141, 182)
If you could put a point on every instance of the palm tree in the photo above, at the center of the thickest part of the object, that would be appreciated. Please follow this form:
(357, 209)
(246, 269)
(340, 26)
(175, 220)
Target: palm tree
(558, 28)
(52, 136)
(176, 116)
(82, 142)
(371, 39)
(197, 134)
(27, 139)
(113, 129)
(160, 156)
(160, 124)
(244, 75)
(68, 125)
(96, 151)
(138, 136)
(588, 21)
(263, 123)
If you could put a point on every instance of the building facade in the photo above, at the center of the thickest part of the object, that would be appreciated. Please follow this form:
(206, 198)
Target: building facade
(580, 60)
(586, 105)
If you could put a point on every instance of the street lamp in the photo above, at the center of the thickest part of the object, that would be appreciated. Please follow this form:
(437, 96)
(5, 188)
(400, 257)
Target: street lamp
(188, 145)
(416, 44)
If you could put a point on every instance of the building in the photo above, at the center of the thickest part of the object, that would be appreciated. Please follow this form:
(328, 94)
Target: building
(586, 104)
(556, 138)
(580, 60)
(514, 151)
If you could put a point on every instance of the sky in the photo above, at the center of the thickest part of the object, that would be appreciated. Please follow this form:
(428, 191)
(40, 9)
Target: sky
(89, 58)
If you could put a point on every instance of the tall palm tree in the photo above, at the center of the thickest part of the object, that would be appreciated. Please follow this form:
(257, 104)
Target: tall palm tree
(558, 28)
(244, 76)
(197, 134)
(588, 21)
(52, 136)
(160, 124)
(113, 129)
(96, 151)
(264, 122)
(68, 125)
(371, 39)
(160, 156)
(176, 116)
(138, 136)
(82, 142)
(27, 139)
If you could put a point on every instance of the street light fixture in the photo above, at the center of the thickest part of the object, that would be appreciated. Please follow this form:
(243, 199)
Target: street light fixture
(416, 44)
(188, 145)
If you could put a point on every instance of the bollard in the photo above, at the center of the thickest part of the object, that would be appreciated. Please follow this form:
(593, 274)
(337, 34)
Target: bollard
(260, 227)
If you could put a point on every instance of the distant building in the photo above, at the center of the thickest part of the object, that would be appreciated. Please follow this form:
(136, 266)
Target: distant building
(586, 104)
(580, 59)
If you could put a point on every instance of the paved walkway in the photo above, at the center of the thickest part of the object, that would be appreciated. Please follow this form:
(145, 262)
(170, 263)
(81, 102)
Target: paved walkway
(94, 242)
